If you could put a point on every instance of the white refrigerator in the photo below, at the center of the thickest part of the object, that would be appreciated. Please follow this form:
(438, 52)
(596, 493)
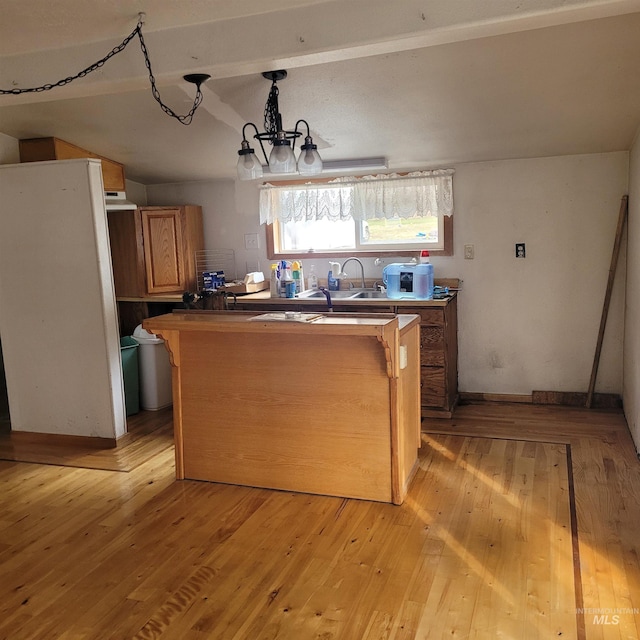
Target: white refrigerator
(58, 317)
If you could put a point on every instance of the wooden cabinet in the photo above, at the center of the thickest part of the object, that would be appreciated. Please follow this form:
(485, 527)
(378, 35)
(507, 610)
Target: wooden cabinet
(40, 149)
(438, 358)
(153, 249)
(348, 425)
(127, 253)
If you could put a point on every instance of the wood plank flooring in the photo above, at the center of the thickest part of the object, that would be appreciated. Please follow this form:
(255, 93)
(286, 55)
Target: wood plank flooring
(518, 516)
(149, 433)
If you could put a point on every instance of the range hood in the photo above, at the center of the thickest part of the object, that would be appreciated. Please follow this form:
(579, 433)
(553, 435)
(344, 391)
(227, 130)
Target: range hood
(117, 201)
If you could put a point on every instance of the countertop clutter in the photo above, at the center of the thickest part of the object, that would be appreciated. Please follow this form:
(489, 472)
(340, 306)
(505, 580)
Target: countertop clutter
(332, 405)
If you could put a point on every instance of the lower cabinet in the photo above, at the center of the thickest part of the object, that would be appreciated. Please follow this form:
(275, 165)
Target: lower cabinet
(438, 358)
(438, 345)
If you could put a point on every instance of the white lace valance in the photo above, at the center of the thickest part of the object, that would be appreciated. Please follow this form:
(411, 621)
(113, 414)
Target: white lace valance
(419, 194)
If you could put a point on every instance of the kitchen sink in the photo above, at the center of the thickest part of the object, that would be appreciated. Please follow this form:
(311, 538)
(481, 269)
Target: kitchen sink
(350, 294)
(370, 294)
(310, 294)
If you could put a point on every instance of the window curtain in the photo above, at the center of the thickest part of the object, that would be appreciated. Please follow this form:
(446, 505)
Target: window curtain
(418, 194)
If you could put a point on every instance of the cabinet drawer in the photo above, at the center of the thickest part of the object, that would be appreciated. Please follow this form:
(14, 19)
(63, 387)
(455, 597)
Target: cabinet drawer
(432, 400)
(428, 316)
(433, 357)
(433, 380)
(431, 338)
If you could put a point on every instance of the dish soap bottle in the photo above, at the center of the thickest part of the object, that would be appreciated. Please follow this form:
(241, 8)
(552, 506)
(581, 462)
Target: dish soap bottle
(333, 282)
(296, 272)
(313, 278)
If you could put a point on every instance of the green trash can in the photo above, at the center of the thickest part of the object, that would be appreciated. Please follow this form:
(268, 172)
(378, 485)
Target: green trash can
(129, 355)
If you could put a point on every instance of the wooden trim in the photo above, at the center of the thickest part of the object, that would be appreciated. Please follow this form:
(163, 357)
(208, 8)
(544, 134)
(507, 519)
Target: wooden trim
(561, 398)
(575, 547)
(577, 399)
(59, 439)
(466, 396)
(397, 483)
(172, 344)
(622, 216)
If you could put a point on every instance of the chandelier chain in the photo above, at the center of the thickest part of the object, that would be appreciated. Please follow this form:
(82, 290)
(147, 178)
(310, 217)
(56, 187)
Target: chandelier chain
(183, 119)
(271, 110)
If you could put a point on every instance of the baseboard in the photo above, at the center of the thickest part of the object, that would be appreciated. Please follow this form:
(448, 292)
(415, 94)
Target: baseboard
(577, 399)
(563, 398)
(495, 397)
(61, 440)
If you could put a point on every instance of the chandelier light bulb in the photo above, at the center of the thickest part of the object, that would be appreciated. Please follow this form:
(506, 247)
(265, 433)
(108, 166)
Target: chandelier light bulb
(309, 162)
(248, 166)
(282, 159)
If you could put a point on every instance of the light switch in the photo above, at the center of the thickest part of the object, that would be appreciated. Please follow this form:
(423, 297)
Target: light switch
(469, 252)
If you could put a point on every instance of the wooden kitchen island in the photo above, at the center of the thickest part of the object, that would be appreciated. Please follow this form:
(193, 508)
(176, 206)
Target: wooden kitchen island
(325, 404)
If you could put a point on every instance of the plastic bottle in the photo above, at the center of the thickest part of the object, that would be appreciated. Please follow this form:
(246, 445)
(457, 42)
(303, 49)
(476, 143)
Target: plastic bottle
(313, 278)
(285, 277)
(424, 277)
(409, 281)
(275, 281)
(296, 274)
(333, 282)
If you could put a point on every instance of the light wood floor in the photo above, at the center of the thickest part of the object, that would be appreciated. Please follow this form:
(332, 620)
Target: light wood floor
(518, 517)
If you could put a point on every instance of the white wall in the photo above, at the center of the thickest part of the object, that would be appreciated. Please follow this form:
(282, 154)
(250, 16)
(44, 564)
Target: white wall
(524, 325)
(631, 394)
(9, 152)
(532, 324)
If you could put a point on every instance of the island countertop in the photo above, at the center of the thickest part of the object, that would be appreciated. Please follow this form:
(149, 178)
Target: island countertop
(277, 322)
(329, 406)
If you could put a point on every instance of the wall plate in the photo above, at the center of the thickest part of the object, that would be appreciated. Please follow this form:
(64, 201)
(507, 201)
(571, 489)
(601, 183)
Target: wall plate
(251, 241)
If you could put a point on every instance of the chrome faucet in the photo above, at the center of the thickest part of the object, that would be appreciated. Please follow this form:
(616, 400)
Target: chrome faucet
(343, 274)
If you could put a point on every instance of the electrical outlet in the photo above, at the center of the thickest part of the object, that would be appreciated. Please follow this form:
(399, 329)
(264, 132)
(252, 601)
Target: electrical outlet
(469, 252)
(251, 241)
(520, 250)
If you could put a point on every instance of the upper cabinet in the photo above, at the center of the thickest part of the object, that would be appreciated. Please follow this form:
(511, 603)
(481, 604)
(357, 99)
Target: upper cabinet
(153, 249)
(171, 237)
(40, 149)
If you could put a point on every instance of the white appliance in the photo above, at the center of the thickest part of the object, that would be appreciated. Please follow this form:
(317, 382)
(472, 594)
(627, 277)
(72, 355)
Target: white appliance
(58, 320)
(117, 201)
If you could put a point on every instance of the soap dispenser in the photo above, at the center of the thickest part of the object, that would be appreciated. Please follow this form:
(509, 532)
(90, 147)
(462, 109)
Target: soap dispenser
(333, 281)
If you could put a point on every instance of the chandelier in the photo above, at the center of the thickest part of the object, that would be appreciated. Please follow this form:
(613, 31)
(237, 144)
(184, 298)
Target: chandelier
(282, 158)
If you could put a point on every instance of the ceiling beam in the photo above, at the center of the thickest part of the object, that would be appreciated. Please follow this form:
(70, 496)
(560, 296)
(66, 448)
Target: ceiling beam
(328, 31)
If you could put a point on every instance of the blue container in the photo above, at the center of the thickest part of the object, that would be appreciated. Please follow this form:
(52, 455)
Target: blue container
(408, 281)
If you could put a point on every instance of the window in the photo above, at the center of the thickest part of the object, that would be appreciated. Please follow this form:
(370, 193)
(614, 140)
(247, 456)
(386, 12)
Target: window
(371, 215)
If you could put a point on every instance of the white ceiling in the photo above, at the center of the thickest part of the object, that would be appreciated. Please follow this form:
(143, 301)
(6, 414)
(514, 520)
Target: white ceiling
(419, 82)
